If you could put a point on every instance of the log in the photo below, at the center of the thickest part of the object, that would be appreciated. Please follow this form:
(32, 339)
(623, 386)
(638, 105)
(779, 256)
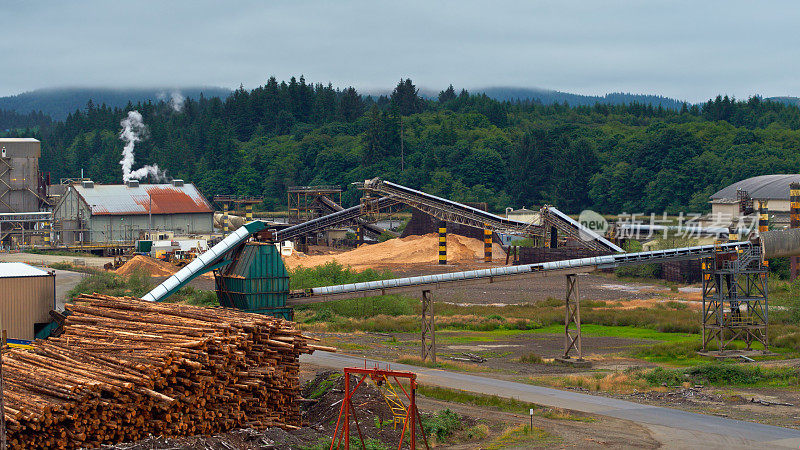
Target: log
(124, 369)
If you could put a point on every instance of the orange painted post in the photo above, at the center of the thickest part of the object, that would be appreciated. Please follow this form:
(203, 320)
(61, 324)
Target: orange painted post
(794, 222)
(346, 429)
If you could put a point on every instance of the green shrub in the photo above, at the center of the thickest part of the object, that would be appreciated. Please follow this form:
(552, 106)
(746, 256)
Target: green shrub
(442, 424)
(361, 308)
(134, 285)
(527, 242)
(192, 296)
(385, 237)
(794, 301)
(332, 273)
(640, 271)
(530, 358)
(671, 350)
(723, 375)
(726, 374)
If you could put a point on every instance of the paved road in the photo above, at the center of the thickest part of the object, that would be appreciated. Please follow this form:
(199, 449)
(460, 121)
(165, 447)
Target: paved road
(42, 260)
(65, 281)
(674, 428)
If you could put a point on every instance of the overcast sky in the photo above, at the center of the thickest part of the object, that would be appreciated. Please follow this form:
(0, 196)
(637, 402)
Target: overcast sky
(690, 50)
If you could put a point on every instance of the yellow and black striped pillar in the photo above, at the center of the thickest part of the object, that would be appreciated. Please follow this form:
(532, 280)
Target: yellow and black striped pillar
(487, 243)
(46, 227)
(763, 221)
(360, 235)
(442, 242)
(248, 208)
(794, 222)
(225, 224)
(733, 234)
(763, 216)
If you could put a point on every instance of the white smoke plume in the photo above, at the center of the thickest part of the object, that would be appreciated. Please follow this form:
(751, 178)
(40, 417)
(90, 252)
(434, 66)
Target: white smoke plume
(176, 101)
(133, 131)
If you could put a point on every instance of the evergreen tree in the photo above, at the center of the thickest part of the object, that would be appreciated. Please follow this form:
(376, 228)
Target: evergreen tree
(350, 105)
(447, 94)
(405, 99)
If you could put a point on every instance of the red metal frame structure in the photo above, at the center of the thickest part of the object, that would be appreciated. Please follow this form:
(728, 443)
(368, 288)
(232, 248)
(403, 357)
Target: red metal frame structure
(412, 413)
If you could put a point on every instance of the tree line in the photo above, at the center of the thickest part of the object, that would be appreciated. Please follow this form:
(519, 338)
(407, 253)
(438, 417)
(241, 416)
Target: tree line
(468, 147)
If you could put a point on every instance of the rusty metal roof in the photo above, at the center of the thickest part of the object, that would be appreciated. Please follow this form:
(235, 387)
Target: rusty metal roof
(119, 199)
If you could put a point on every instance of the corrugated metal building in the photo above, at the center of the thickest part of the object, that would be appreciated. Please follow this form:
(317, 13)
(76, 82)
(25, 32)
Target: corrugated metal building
(28, 296)
(19, 175)
(772, 188)
(125, 212)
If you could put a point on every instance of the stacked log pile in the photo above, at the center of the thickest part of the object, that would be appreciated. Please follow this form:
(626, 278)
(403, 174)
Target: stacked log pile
(125, 368)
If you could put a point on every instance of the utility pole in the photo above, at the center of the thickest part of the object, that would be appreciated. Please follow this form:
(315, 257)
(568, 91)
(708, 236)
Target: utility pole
(402, 147)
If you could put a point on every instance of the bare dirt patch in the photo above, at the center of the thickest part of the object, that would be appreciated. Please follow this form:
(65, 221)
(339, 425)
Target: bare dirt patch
(502, 352)
(152, 266)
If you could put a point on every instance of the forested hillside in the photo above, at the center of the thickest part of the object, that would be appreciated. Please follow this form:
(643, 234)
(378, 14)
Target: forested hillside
(548, 97)
(612, 158)
(59, 102)
(10, 120)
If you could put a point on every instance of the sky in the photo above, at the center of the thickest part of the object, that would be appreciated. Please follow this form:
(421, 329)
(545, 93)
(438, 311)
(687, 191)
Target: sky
(689, 50)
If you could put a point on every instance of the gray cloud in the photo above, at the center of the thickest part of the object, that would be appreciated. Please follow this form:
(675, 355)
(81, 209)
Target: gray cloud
(682, 49)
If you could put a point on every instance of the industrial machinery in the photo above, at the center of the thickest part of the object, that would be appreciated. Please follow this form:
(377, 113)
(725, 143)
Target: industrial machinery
(250, 274)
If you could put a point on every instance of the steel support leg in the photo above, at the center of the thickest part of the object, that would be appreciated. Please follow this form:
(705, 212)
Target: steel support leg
(572, 322)
(428, 327)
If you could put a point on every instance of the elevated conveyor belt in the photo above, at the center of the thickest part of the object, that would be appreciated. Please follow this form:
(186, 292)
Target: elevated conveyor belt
(322, 294)
(339, 217)
(331, 207)
(450, 211)
(571, 227)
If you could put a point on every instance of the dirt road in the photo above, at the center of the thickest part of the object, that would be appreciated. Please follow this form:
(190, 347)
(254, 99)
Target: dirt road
(672, 428)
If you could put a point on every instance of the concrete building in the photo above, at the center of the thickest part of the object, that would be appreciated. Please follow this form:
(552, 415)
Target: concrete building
(120, 213)
(774, 189)
(28, 297)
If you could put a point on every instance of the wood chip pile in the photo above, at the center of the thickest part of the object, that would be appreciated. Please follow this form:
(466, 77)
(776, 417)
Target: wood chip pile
(125, 368)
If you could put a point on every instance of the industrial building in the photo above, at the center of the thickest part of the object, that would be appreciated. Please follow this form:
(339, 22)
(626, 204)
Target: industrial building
(28, 297)
(20, 187)
(23, 189)
(120, 213)
(774, 189)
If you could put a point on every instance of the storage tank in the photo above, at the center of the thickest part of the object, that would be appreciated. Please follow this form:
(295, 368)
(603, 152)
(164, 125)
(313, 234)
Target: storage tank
(256, 281)
(28, 296)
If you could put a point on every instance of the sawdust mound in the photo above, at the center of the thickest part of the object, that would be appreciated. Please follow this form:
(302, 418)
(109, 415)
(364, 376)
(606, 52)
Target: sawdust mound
(409, 250)
(151, 266)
